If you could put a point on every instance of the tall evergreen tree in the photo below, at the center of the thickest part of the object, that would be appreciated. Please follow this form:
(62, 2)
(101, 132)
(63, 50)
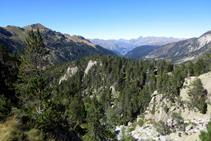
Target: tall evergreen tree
(31, 86)
(197, 95)
(33, 90)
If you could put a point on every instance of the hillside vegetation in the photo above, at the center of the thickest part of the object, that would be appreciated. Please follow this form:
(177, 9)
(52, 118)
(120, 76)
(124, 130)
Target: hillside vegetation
(63, 47)
(86, 99)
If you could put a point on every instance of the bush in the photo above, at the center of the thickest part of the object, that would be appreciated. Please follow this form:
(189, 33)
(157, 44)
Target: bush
(162, 128)
(198, 95)
(177, 116)
(5, 107)
(131, 129)
(166, 109)
(125, 136)
(206, 136)
(140, 122)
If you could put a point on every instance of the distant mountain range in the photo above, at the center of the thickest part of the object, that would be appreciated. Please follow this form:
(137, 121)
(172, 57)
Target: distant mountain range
(183, 51)
(122, 46)
(63, 47)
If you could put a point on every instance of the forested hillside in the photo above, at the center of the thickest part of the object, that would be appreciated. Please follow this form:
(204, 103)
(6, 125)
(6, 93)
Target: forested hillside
(83, 99)
(140, 52)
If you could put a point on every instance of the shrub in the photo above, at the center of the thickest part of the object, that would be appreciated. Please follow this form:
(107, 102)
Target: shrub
(206, 136)
(162, 128)
(5, 107)
(131, 129)
(177, 116)
(141, 122)
(198, 95)
(166, 109)
(125, 136)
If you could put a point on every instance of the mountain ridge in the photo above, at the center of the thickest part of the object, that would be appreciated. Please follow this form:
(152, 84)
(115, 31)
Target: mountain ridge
(183, 51)
(63, 47)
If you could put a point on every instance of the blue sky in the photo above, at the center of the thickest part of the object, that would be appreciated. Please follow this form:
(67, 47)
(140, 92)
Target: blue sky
(112, 19)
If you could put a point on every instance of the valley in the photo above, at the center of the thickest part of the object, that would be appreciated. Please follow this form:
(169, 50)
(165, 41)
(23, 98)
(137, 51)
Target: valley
(63, 47)
(123, 46)
(56, 86)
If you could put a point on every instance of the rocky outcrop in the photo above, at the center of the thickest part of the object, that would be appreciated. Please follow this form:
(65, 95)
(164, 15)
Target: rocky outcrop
(89, 66)
(167, 120)
(69, 73)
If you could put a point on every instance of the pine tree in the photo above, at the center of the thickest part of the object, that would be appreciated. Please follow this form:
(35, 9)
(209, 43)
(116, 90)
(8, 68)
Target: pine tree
(32, 87)
(197, 95)
(94, 114)
(76, 111)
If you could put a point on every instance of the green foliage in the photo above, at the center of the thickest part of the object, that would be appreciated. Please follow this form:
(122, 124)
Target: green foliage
(32, 68)
(198, 95)
(8, 75)
(76, 111)
(63, 47)
(89, 105)
(162, 128)
(33, 89)
(125, 136)
(206, 135)
(177, 116)
(8, 70)
(94, 114)
(166, 109)
(153, 108)
(140, 122)
(131, 129)
(5, 107)
(111, 119)
(140, 52)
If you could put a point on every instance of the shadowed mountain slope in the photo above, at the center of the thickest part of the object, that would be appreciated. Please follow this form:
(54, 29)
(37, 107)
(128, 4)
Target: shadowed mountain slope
(63, 47)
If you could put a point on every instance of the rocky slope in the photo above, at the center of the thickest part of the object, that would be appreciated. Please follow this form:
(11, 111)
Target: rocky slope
(63, 47)
(183, 51)
(163, 115)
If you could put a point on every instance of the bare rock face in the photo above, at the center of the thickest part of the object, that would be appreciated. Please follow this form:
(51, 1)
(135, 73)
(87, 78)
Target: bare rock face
(203, 40)
(89, 66)
(69, 73)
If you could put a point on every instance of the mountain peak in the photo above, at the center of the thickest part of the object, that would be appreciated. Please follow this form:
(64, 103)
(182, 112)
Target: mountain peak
(207, 33)
(35, 26)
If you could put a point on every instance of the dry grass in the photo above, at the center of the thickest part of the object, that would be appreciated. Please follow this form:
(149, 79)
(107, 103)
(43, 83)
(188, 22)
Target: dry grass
(7, 129)
(33, 135)
(10, 131)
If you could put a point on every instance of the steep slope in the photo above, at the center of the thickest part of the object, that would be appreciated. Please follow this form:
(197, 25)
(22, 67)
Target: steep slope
(123, 46)
(109, 45)
(182, 121)
(140, 52)
(183, 51)
(62, 47)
